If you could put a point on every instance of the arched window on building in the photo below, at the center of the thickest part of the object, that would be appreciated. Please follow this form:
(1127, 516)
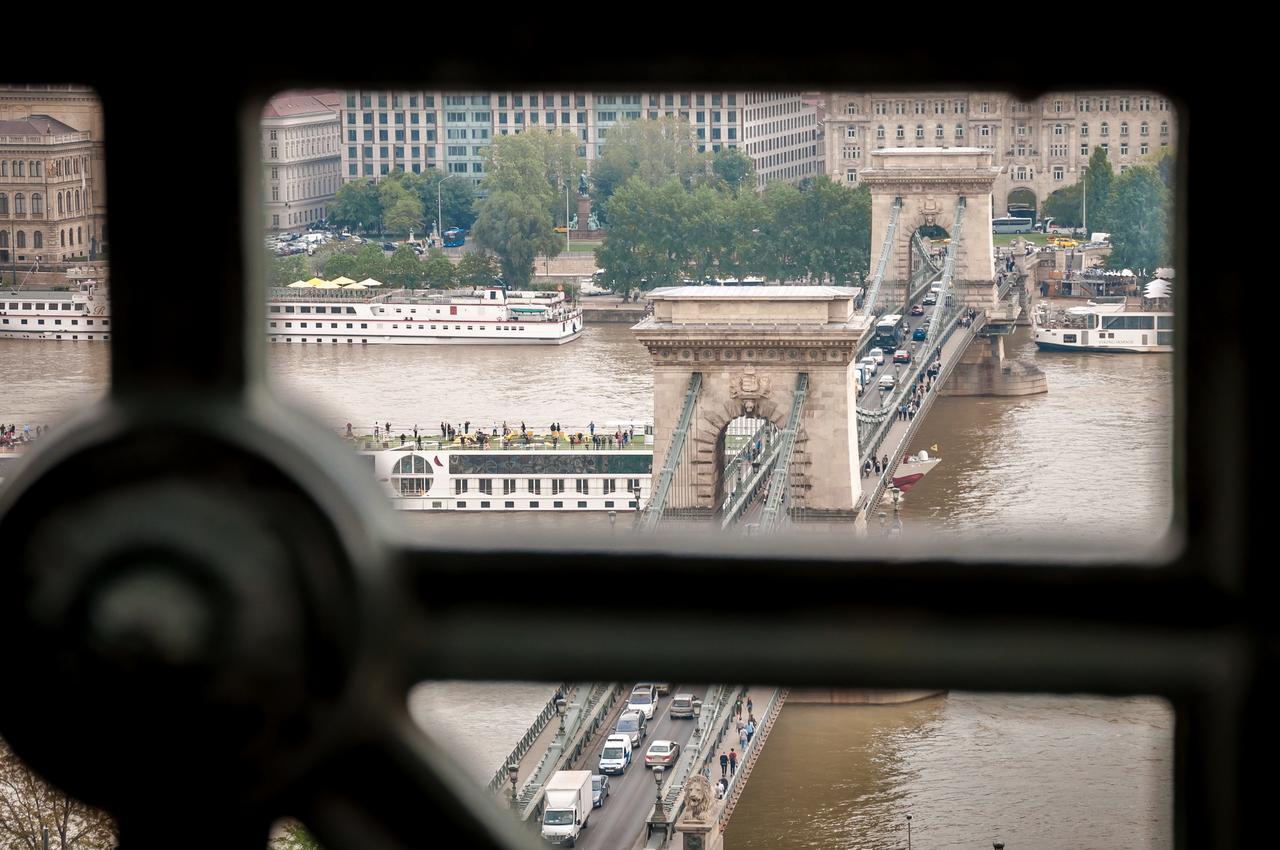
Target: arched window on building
(37, 203)
(18, 169)
(19, 204)
(62, 238)
(4, 168)
(1106, 129)
(79, 235)
(77, 200)
(1144, 129)
(4, 239)
(1124, 128)
(21, 241)
(4, 204)
(1164, 128)
(59, 203)
(38, 170)
(37, 240)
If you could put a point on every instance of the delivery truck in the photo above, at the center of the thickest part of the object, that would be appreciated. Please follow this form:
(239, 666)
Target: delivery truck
(566, 806)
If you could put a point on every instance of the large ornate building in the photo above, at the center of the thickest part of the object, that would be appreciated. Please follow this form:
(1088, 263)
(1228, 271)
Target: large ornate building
(52, 205)
(1041, 145)
(300, 158)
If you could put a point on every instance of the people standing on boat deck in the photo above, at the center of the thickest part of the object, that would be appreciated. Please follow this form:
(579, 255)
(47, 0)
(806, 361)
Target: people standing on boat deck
(466, 426)
(376, 431)
(592, 427)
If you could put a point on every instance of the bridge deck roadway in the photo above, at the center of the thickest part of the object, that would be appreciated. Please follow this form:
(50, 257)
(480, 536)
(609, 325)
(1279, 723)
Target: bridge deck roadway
(901, 432)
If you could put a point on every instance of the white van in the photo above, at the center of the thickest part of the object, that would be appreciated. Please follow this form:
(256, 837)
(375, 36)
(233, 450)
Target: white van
(615, 758)
(877, 355)
(886, 381)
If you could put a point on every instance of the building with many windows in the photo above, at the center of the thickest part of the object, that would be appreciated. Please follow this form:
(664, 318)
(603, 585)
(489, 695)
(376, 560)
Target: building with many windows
(422, 131)
(46, 192)
(301, 160)
(1041, 145)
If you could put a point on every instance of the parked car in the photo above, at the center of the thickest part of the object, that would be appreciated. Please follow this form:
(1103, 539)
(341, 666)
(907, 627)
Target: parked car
(902, 355)
(599, 789)
(920, 332)
(662, 753)
(388, 246)
(917, 310)
(633, 725)
(644, 700)
(615, 757)
(877, 354)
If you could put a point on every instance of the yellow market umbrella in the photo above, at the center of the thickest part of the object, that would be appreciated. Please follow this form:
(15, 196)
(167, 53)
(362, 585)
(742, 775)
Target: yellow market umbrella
(342, 281)
(299, 284)
(315, 281)
(327, 284)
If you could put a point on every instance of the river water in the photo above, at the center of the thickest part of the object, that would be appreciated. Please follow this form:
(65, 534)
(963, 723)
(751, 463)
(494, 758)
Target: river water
(1088, 460)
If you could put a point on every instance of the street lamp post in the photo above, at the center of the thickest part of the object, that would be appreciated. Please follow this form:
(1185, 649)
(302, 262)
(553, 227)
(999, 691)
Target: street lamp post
(513, 771)
(697, 718)
(908, 832)
(659, 815)
(440, 208)
(562, 708)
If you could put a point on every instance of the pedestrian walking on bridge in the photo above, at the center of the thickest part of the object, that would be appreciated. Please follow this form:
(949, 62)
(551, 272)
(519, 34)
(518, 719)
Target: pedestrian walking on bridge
(733, 761)
(724, 764)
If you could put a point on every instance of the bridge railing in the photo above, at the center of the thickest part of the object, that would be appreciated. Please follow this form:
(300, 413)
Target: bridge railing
(761, 432)
(673, 460)
(737, 782)
(745, 494)
(873, 289)
(501, 777)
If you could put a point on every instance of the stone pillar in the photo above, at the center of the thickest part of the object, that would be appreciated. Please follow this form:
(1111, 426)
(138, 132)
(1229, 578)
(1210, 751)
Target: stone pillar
(696, 823)
(984, 371)
(584, 213)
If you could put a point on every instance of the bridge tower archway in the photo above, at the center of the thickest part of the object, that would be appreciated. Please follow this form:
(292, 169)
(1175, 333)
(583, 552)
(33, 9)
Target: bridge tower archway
(750, 345)
(929, 182)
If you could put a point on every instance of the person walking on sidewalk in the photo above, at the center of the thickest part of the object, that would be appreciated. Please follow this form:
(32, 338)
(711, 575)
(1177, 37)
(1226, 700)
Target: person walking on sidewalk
(742, 738)
(750, 705)
(751, 730)
(737, 708)
(733, 761)
(724, 764)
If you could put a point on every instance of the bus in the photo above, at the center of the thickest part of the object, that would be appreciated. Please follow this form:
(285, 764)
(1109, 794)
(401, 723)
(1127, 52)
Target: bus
(1022, 211)
(454, 237)
(891, 332)
(1011, 225)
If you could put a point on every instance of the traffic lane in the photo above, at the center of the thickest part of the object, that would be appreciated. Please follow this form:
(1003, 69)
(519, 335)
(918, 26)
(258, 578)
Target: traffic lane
(621, 820)
(872, 399)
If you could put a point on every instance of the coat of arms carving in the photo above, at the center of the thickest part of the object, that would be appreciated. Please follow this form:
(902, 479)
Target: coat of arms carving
(749, 387)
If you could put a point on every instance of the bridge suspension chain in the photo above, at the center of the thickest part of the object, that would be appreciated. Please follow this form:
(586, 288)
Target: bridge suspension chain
(873, 292)
(675, 455)
(945, 301)
(786, 451)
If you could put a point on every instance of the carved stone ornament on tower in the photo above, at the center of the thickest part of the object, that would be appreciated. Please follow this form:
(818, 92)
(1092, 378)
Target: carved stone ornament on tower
(698, 797)
(930, 210)
(749, 388)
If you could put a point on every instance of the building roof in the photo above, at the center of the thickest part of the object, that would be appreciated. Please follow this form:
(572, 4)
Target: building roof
(290, 103)
(755, 293)
(35, 125)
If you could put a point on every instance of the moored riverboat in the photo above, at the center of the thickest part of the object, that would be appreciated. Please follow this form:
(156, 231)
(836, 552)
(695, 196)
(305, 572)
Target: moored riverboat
(81, 313)
(366, 316)
(1104, 324)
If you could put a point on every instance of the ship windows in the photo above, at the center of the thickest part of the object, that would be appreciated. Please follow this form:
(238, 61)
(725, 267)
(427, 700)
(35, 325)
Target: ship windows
(288, 324)
(633, 485)
(608, 504)
(459, 485)
(288, 309)
(508, 504)
(457, 327)
(335, 309)
(557, 504)
(433, 327)
(363, 325)
(26, 305)
(75, 321)
(1069, 337)
(304, 324)
(89, 322)
(40, 306)
(304, 309)
(633, 504)
(582, 504)
(269, 324)
(610, 485)
(583, 485)
(535, 504)
(66, 306)
(508, 487)
(485, 485)
(348, 325)
(535, 486)
(57, 321)
(484, 504)
(470, 327)
(275, 309)
(462, 504)
(557, 484)
(395, 327)
(351, 311)
(1164, 323)
(333, 325)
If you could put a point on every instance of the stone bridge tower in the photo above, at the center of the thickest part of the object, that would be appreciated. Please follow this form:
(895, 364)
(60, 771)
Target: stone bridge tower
(750, 344)
(930, 181)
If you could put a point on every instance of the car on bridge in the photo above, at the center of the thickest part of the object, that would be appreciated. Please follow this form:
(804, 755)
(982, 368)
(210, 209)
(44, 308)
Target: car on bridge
(930, 299)
(662, 753)
(887, 381)
(920, 333)
(644, 700)
(902, 355)
(615, 757)
(632, 724)
(682, 705)
(917, 310)
(599, 790)
(877, 354)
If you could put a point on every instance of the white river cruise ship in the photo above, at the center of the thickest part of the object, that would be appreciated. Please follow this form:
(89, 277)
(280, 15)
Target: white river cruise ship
(1105, 323)
(82, 313)
(491, 316)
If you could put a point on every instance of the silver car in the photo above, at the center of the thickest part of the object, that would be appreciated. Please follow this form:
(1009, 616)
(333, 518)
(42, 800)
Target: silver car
(633, 725)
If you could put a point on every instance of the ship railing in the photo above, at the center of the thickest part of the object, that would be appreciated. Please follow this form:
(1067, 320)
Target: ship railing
(368, 443)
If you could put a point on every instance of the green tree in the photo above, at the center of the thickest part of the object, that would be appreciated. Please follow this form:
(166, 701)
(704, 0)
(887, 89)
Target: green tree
(516, 228)
(356, 205)
(836, 226)
(282, 271)
(342, 264)
(1139, 207)
(405, 216)
(404, 268)
(28, 806)
(781, 252)
(654, 151)
(1098, 177)
(457, 199)
(1064, 205)
(438, 271)
(646, 245)
(477, 268)
(292, 835)
(734, 168)
(370, 262)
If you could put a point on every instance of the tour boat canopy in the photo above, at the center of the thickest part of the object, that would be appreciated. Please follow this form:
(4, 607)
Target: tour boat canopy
(342, 281)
